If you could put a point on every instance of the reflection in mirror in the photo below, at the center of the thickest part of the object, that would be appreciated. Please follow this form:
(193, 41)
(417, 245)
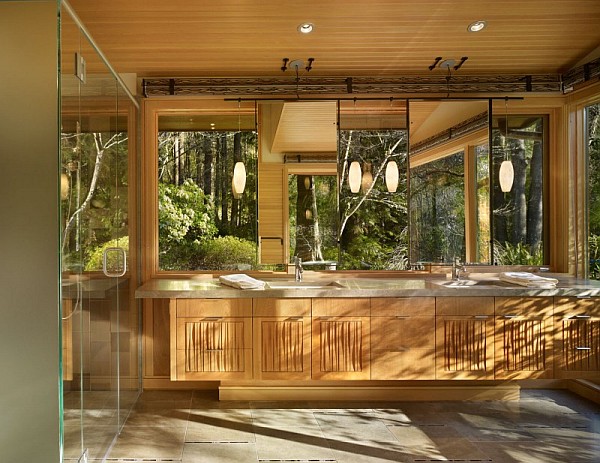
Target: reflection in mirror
(518, 225)
(203, 225)
(313, 219)
(373, 221)
(437, 210)
(449, 181)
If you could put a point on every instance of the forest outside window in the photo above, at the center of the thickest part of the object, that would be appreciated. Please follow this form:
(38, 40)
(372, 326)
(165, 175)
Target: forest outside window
(592, 145)
(519, 227)
(202, 226)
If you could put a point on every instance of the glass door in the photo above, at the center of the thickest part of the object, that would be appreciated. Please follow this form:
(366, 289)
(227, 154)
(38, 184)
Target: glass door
(100, 317)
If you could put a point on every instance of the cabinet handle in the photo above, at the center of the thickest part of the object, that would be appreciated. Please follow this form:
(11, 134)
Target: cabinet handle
(401, 349)
(213, 319)
(402, 317)
(294, 319)
(510, 316)
(481, 317)
(584, 297)
(582, 317)
(324, 318)
(583, 348)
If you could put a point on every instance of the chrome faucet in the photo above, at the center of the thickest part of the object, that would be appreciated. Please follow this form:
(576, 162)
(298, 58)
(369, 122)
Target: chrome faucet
(457, 268)
(298, 268)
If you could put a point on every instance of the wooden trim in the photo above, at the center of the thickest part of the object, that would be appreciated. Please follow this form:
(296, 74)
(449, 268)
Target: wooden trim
(173, 338)
(480, 137)
(457, 392)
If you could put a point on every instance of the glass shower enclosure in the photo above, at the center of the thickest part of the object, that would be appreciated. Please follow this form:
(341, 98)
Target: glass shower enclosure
(100, 317)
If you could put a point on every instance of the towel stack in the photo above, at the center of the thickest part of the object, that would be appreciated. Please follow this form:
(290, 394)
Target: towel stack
(528, 279)
(241, 281)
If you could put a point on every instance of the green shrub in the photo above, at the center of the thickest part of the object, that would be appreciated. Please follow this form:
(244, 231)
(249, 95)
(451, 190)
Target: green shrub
(519, 254)
(227, 253)
(94, 259)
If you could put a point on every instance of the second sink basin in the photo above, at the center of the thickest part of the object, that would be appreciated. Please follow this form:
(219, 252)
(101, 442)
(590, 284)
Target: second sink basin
(471, 283)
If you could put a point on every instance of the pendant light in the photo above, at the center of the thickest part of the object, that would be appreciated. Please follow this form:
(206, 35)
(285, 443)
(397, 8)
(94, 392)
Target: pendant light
(354, 176)
(239, 179)
(507, 171)
(238, 182)
(391, 176)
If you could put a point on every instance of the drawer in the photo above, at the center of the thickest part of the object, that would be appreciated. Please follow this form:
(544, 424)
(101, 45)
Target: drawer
(530, 307)
(464, 305)
(214, 308)
(402, 332)
(566, 307)
(341, 307)
(398, 306)
(282, 307)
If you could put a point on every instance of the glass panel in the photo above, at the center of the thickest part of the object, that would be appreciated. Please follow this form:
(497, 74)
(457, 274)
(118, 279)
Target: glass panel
(437, 208)
(313, 220)
(592, 143)
(203, 225)
(518, 215)
(373, 221)
(100, 318)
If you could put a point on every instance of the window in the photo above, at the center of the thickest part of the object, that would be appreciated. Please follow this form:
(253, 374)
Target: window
(518, 215)
(202, 225)
(592, 146)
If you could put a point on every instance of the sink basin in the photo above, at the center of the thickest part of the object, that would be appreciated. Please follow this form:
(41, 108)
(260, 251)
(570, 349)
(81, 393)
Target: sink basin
(302, 285)
(471, 283)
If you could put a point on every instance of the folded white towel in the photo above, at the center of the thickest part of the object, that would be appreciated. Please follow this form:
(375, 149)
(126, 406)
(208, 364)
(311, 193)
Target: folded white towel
(528, 279)
(241, 281)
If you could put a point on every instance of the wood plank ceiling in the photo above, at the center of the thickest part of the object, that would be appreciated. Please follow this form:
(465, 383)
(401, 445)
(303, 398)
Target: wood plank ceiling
(249, 38)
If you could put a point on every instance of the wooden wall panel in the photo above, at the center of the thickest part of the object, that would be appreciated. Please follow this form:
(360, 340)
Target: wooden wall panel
(270, 213)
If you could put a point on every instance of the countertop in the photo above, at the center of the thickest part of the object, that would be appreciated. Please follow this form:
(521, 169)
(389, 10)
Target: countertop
(474, 285)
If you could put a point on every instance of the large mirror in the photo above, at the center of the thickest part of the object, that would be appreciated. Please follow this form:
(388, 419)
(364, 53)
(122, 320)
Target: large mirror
(449, 181)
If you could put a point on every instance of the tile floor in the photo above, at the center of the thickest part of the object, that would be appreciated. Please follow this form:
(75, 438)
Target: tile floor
(545, 426)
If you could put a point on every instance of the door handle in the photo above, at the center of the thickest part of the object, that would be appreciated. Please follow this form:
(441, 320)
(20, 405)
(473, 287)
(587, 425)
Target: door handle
(120, 257)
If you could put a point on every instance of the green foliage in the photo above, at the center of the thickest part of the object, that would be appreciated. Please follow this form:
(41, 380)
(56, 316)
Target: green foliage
(228, 253)
(186, 219)
(519, 254)
(594, 256)
(94, 259)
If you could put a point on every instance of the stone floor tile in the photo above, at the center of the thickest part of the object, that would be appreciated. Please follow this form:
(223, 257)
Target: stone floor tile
(149, 442)
(219, 453)
(172, 417)
(367, 454)
(217, 425)
(287, 445)
(96, 439)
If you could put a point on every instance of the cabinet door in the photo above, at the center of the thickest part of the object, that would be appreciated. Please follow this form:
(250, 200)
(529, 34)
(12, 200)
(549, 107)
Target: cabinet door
(464, 347)
(282, 348)
(403, 338)
(577, 340)
(464, 337)
(523, 338)
(340, 347)
(206, 346)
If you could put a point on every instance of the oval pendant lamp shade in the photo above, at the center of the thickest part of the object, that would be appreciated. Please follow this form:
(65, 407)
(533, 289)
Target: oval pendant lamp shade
(507, 176)
(391, 176)
(239, 179)
(354, 177)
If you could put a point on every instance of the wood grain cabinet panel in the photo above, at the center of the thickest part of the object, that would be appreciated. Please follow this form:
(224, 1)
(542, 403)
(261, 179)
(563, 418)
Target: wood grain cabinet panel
(464, 337)
(282, 330)
(577, 337)
(206, 346)
(403, 338)
(523, 338)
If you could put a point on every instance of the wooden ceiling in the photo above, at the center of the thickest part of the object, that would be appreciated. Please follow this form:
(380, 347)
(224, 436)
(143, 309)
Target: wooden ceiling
(249, 38)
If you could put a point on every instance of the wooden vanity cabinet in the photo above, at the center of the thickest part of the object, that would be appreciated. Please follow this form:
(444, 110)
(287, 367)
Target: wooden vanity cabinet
(402, 338)
(577, 337)
(523, 337)
(464, 328)
(341, 339)
(282, 330)
(211, 339)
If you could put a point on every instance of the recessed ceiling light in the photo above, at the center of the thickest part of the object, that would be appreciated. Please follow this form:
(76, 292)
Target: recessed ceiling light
(476, 26)
(306, 28)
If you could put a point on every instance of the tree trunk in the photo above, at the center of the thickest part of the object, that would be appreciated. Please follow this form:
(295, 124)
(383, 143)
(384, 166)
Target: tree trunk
(224, 184)
(308, 240)
(519, 225)
(535, 204)
(199, 166)
(208, 165)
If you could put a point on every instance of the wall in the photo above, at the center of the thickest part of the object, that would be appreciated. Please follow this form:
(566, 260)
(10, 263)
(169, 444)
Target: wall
(29, 275)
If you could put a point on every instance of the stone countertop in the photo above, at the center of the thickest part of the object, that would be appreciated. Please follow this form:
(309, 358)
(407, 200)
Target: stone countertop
(474, 285)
